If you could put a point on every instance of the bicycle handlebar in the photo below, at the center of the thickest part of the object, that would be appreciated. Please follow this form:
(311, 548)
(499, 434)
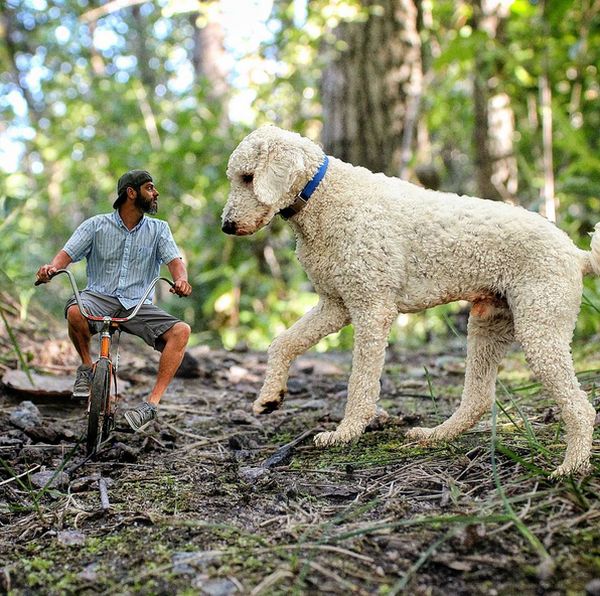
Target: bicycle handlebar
(111, 319)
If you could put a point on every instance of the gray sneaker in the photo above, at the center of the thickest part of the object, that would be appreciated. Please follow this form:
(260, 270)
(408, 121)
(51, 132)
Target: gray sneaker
(140, 417)
(83, 382)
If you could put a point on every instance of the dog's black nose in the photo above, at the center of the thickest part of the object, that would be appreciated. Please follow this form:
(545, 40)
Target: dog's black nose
(229, 226)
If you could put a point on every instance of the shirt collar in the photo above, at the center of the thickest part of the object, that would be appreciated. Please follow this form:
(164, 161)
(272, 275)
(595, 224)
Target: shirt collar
(119, 221)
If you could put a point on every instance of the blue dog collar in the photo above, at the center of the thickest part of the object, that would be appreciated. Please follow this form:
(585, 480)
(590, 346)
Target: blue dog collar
(305, 194)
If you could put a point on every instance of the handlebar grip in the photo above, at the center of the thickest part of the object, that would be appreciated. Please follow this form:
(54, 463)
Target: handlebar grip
(39, 283)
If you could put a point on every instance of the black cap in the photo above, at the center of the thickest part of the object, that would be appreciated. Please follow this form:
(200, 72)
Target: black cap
(133, 178)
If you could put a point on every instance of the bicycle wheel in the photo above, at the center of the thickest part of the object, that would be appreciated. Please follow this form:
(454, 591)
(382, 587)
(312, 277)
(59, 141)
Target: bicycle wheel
(99, 395)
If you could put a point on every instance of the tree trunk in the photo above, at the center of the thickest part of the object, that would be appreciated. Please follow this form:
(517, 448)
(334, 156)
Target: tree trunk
(370, 89)
(495, 163)
(208, 53)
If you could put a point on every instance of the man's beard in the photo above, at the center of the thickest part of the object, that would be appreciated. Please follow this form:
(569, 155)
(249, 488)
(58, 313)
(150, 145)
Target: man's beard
(149, 206)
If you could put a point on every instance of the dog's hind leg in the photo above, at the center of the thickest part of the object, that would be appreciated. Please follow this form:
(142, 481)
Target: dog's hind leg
(371, 329)
(545, 332)
(490, 333)
(328, 316)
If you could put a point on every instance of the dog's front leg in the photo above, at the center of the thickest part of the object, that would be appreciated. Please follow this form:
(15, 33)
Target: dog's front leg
(328, 316)
(371, 331)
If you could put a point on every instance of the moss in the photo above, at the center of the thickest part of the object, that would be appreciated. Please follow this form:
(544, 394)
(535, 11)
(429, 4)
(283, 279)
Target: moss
(372, 449)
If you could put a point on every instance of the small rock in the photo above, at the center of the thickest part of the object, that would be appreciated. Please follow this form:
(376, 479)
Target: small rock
(181, 563)
(379, 421)
(251, 474)
(218, 587)
(71, 538)
(241, 417)
(315, 404)
(545, 569)
(295, 387)
(242, 455)
(33, 455)
(125, 452)
(237, 374)
(89, 573)
(189, 367)
(9, 440)
(26, 416)
(45, 433)
(592, 588)
(186, 562)
(41, 479)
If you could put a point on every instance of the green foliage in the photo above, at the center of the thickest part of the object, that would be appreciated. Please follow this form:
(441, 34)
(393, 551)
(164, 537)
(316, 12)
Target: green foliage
(85, 100)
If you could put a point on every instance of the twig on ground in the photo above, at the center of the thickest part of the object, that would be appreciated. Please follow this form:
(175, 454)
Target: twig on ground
(272, 579)
(103, 493)
(184, 433)
(20, 475)
(285, 451)
(346, 585)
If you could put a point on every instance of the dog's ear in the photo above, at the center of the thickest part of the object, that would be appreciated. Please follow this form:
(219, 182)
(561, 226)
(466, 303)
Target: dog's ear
(278, 167)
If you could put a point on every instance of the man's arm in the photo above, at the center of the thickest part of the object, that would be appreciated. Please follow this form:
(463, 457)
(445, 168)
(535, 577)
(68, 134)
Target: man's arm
(178, 272)
(61, 261)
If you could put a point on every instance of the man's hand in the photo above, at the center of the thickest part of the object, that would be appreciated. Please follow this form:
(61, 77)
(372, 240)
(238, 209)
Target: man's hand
(44, 273)
(181, 287)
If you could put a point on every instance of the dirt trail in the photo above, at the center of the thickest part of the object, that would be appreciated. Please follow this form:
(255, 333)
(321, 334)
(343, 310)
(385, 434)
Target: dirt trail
(212, 500)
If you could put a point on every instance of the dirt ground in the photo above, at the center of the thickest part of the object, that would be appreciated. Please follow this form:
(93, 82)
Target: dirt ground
(212, 500)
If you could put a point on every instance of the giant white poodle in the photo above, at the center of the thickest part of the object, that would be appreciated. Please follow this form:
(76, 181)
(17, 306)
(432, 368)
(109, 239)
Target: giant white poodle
(375, 246)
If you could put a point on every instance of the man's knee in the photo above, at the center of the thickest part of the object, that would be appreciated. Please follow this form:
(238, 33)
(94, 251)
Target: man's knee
(179, 333)
(74, 316)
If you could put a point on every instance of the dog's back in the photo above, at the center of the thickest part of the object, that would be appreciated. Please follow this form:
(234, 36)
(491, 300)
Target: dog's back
(434, 247)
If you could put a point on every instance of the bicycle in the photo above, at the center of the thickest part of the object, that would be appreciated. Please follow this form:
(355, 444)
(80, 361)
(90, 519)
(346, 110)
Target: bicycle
(102, 406)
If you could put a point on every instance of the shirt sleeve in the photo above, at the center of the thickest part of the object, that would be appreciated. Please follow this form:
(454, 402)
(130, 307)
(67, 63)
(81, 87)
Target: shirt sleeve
(79, 244)
(167, 249)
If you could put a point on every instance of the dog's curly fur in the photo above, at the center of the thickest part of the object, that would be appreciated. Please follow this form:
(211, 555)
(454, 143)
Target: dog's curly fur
(375, 246)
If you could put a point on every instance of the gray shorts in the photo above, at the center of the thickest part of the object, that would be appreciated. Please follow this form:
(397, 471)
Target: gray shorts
(150, 322)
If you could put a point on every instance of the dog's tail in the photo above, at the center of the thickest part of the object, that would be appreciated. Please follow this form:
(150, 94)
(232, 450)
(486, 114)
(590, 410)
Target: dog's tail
(592, 263)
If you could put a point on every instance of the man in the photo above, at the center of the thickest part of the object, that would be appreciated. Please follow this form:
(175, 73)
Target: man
(124, 250)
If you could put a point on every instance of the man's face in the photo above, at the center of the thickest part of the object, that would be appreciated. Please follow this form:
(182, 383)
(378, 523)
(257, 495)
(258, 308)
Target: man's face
(147, 198)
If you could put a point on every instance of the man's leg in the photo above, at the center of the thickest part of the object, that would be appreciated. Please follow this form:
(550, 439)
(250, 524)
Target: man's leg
(172, 342)
(79, 333)
(175, 339)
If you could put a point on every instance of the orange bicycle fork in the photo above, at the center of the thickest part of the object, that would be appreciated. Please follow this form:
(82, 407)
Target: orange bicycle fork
(105, 344)
(105, 353)
(105, 339)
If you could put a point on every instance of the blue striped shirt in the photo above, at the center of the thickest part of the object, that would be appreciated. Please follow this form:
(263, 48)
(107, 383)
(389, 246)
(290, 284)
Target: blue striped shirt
(121, 262)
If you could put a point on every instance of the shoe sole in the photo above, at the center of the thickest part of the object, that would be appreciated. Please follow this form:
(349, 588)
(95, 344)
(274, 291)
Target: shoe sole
(138, 428)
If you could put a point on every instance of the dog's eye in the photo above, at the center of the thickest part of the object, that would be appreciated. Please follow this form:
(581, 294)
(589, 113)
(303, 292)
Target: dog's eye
(247, 178)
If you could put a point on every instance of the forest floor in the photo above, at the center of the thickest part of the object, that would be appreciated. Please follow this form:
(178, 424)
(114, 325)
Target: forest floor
(212, 500)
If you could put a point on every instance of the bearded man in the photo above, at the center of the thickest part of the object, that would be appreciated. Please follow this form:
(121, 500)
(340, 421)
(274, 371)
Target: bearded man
(124, 250)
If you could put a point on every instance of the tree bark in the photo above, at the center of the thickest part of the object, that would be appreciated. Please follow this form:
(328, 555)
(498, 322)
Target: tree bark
(495, 163)
(208, 53)
(370, 88)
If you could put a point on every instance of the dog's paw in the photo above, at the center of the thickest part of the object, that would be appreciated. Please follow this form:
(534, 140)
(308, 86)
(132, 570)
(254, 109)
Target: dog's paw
(342, 434)
(567, 469)
(266, 405)
(422, 434)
